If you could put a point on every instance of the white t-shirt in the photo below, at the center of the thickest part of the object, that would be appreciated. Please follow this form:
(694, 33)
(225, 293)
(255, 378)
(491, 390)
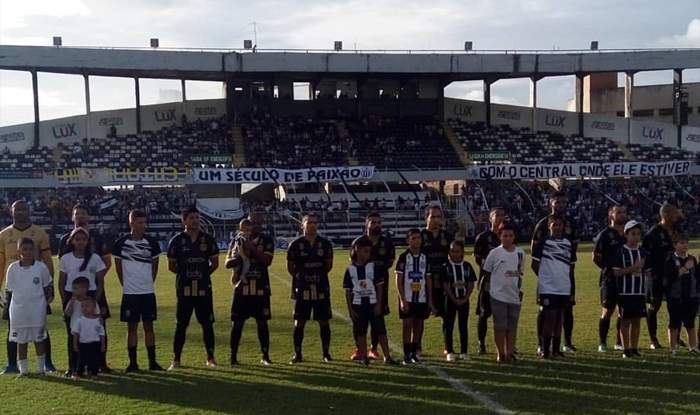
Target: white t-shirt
(28, 304)
(71, 266)
(555, 258)
(137, 263)
(89, 329)
(506, 270)
(77, 311)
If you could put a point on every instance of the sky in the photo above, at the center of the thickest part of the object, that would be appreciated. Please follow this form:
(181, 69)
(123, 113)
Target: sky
(361, 24)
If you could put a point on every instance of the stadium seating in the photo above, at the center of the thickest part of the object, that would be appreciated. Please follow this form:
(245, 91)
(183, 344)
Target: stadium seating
(527, 147)
(658, 152)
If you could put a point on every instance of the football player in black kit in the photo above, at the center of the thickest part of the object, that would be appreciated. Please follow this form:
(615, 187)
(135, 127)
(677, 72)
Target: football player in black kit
(309, 260)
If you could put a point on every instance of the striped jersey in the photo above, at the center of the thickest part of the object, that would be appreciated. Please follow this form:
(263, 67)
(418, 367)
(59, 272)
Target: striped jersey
(363, 280)
(555, 256)
(459, 278)
(634, 283)
(414, 269)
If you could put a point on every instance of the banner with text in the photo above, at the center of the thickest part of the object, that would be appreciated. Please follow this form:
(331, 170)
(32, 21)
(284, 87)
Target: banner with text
(228, 208)
(283, 176)
(17, 138)
(578, 170)
(648, 133)
(690, 138)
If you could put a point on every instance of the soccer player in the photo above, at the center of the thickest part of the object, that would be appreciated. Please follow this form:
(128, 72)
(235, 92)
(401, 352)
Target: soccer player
(364, 284)
(631, 269)
(22, 227)
(659, 246)
(415, 288)
(553, 262)
(309, 260)
(608, 243)
(504, 268)
(382, 254)
(193, 256)
(98, 245)
(436, 247)
(483, 244)
(31, 286)
(251, 297)
(558, 204)
(136, 263)
(458, 280)
(681, 282)
(88, 339)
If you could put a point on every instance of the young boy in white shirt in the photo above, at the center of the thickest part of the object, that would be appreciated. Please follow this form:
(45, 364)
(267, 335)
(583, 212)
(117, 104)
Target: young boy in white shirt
(31, 286)
(72, 313)
(88, 339)
(504, 266)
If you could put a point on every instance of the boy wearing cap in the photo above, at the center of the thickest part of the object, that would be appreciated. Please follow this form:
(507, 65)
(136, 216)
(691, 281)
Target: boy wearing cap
(630, 271)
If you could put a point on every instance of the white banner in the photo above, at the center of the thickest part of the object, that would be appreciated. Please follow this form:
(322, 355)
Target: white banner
(648, 133)
(464, 110)
(17, 138)
(604, 125)
(514, 116)
(577, 170)
(690, 138)
(155, 117)
(221, 208)
(205, 108)
(66, 130)
(124, 120)
(283, 176)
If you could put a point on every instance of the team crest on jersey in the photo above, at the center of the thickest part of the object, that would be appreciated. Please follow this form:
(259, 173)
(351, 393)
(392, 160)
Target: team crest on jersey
(36, 280)
(363, 284)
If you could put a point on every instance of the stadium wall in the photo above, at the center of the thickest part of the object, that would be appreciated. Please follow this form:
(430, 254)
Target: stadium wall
(17, 138)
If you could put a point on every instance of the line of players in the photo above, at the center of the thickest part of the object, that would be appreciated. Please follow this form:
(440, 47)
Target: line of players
(431, 278)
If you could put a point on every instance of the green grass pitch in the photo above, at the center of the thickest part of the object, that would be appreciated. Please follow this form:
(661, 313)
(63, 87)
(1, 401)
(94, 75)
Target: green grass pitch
(587, 382)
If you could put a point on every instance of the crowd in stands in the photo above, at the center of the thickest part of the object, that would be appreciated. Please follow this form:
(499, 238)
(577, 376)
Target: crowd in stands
(526, 202)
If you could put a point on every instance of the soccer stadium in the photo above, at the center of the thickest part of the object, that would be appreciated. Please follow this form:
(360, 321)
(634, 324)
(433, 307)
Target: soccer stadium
(320, 170)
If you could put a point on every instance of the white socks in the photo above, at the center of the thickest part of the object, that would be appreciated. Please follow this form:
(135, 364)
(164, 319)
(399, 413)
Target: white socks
(23, 366)
(40, 362)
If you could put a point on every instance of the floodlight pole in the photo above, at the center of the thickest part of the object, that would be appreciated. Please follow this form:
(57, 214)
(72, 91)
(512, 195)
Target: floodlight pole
(35, 92)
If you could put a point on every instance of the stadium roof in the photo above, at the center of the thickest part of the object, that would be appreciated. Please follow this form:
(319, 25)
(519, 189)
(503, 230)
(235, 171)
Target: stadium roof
(449, 65)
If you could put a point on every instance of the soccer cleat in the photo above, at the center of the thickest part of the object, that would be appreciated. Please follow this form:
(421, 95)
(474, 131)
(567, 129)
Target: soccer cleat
(67, 373)
(10, 370)
(463, 356)
(265, 361)
(297, 358)
(636, 353)
(132, 368)
(390, 361)
(482, 349)
(539, 350)
(415, 358)
(175, 365)
(234, 361)
(655, 345)
(365, 362)
(49, 367)
(618, 346)
(568, 348)
(373, 355)
(355, 355)
(105, 369)
(212, 363)
(627, 355)
(695, 351)
(327, 358)
(451, 357)
(155, 367)
(602, 348)
(407, 360)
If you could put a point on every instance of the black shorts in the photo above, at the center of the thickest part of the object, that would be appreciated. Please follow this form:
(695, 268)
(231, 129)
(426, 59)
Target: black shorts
(365, 317)
(655, 291)
(321, 309)
(203, 307)
(681, 313)
(608, 293)
(385, 300)
(244, 307)
(420, 311)
(138, 307)
(553, 301)
(631, 306)
(483, 304)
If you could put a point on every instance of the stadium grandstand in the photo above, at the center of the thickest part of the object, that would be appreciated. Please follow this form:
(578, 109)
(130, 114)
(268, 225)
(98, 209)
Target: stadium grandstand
(376, 133)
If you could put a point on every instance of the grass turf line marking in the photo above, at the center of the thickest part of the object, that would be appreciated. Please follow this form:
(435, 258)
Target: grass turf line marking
(456, 384)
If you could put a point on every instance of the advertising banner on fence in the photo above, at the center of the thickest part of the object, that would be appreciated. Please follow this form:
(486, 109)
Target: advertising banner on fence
(608, 126)
(648, 133)
(562, 122)
(576, 170)
(102, 177)
(464, 110)
(284, 176)
(17, 138)
(690, 138)
(221, 208)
